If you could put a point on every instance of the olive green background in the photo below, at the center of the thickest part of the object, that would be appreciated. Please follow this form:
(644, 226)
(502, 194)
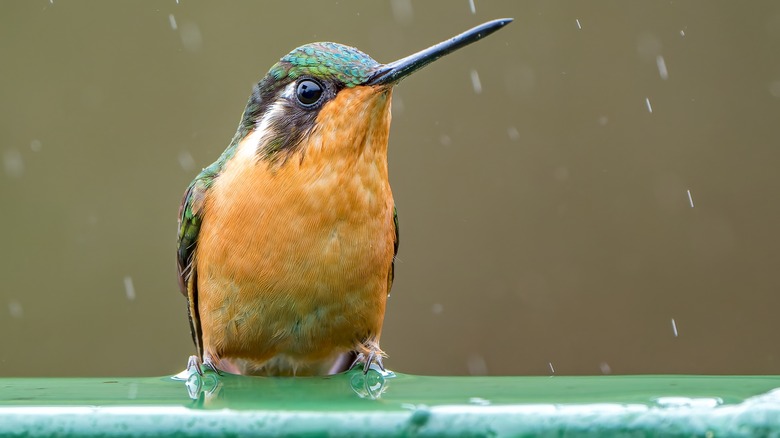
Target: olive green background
(545, 217)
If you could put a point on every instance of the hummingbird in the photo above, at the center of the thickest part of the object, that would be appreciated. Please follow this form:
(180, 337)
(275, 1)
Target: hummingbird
(287, 242)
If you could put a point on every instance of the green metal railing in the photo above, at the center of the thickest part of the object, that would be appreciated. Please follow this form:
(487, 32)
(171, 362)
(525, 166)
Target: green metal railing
(393, 405)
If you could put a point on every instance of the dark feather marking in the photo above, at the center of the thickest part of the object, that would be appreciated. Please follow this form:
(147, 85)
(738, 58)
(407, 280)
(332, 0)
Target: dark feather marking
(391, 275)
(294, 125)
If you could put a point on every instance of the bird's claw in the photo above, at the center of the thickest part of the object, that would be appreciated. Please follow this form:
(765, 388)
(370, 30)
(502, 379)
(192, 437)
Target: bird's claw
(374, 356)
(194, 363)
(208, 364)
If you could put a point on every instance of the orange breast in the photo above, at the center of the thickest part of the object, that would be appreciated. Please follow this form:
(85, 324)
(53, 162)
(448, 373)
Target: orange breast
(293, 259)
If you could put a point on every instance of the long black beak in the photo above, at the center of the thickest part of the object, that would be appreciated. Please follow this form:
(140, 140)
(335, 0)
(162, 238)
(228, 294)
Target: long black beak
(393, 72)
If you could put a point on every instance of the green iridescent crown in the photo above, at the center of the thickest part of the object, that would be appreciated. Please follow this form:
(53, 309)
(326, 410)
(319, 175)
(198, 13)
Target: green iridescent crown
(347, 65)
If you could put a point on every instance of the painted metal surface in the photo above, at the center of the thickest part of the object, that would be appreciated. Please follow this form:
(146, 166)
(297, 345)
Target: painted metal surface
(391, 405)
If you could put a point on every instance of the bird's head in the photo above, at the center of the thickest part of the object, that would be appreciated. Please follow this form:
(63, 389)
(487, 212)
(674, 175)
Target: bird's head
(334, 89)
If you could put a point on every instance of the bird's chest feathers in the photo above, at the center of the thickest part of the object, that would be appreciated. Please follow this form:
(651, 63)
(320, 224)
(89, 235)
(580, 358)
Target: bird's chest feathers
(321, 222)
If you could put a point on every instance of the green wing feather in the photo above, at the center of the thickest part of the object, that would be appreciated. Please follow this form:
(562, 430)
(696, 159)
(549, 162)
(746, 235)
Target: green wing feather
(190, 219)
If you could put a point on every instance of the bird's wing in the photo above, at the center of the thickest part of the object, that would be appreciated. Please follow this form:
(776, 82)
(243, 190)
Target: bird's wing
(190, 218)
(395, 250)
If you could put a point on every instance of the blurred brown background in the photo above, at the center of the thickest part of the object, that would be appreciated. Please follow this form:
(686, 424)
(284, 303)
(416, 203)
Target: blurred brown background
(544, 208)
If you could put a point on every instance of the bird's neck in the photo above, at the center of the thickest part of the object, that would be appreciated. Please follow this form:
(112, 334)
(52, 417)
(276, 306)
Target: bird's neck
(351, 132)
(340, 169)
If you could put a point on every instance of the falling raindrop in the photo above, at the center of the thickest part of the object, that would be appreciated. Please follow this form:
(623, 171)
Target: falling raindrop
(402, 11)
(659, 60)
(649, 107)
(513, 133)
(475, 82)
(398, 105)
(172, 20)
(129, 288)
(674, 328)
(648, 46)
(12, 162)
(477, 365)
(552, 369)
(774, 88)
(682, 33)
(605, 368)
(579, 26)
(186, 161)
(472, 6)
(191, 37)
(15, 309)
(690, 198)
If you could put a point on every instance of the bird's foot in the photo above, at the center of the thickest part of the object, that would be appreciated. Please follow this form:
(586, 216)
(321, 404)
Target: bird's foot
(197, 381)
(370, 355)
(210, 364)
(194, 364)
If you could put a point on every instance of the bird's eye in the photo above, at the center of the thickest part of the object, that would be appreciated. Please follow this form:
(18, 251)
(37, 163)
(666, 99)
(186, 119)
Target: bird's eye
(308, 92)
